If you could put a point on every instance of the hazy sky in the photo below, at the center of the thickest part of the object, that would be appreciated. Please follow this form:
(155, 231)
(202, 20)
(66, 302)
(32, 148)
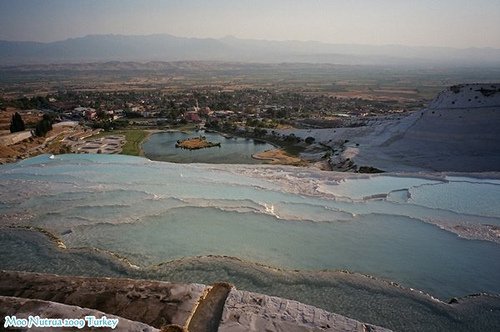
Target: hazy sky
(457, 23)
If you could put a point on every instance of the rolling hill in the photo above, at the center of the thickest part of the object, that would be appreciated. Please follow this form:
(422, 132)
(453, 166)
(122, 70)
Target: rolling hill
(164, 47)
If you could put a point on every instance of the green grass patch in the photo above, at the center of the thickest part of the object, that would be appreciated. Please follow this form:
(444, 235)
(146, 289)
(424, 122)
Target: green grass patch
(133, 140)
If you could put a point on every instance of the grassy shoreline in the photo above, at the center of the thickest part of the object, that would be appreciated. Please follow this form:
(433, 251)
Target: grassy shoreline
(133, 139)
(285, 153)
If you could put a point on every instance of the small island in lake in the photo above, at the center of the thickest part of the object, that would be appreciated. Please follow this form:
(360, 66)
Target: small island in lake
(195, 143)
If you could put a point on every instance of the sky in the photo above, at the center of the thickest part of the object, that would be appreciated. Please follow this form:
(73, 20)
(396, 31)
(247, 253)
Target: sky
(450, 23)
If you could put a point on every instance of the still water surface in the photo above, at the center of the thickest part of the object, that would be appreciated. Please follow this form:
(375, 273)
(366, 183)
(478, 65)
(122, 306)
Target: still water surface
(235, 150)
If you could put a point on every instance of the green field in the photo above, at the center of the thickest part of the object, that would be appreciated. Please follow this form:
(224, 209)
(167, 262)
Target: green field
(133, 137)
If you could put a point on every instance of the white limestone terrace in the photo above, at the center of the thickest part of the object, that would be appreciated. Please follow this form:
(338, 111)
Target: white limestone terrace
(246, 311)
(52, 312)
(141, 305)
(458, 131)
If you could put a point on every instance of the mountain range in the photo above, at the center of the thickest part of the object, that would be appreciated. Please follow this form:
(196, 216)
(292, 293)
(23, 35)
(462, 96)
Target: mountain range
(164, 47)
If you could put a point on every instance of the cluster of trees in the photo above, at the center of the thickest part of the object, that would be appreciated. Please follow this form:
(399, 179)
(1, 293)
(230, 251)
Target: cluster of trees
(109, 125)
(24, 103)
(41, 129)
(261, 124)
(259, 132)
(226, 126)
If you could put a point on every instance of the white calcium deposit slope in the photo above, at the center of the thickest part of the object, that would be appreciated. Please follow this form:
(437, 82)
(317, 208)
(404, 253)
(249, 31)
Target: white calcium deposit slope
(458, 131)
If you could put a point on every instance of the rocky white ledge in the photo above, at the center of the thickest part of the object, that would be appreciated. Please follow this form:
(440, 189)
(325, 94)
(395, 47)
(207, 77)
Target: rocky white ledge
(143, 305)
(246, 311)
(24, 308)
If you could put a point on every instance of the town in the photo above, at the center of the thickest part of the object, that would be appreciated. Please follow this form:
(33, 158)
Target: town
(103, 122)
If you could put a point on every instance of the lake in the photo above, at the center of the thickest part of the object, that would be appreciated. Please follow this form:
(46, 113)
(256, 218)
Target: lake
(235, 150)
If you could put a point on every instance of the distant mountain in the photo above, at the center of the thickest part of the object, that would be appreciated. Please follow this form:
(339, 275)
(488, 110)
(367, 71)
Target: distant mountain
(164, 47)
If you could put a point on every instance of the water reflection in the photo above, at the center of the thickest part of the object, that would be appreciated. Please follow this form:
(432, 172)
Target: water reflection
(233, 150)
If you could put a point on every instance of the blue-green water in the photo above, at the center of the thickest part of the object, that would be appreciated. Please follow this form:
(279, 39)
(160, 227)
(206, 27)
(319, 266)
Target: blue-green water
(152, 213)
(394, 247)
(235, 150)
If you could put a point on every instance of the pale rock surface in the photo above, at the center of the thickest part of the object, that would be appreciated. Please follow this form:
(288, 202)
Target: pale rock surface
(246, 311)
(143, 305)
(23, 308)
(155, 303)
(458, 131)
(11, 139)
